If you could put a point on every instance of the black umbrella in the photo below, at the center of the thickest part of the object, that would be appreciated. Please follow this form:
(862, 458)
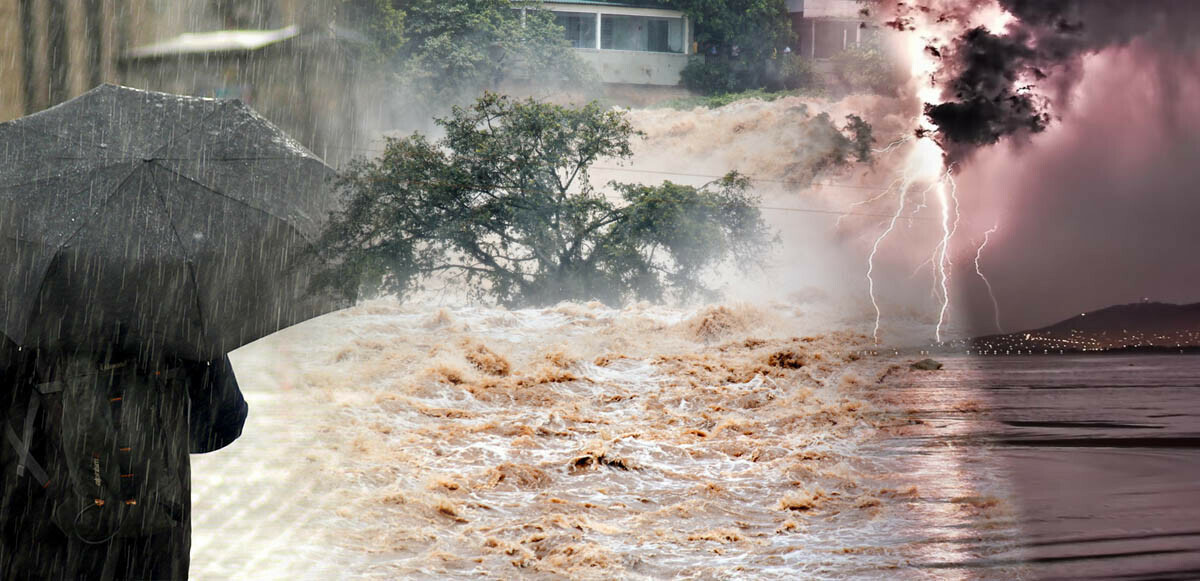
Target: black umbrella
(175, 223)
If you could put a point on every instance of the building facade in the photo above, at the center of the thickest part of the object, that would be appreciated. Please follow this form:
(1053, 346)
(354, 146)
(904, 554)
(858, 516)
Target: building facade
(300, 78)
(282, 57)
(634, 43)
(824, 28)
(52, 50)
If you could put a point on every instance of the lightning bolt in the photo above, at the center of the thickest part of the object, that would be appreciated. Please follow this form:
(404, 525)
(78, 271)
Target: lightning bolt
(893, 145)
(886, 191)
(870, 200)
(948, 195)
(911, 174)
(979, 271)
(926, 164)
(871, 260)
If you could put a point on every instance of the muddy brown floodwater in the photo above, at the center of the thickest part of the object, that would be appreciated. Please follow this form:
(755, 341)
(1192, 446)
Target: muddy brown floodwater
(642, 443)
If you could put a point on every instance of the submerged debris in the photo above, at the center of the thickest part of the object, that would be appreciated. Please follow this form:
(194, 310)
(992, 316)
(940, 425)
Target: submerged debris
(787, 359)
(926, 365)
(486, 360)
(714, 324)
(521, 476)
(596, 455)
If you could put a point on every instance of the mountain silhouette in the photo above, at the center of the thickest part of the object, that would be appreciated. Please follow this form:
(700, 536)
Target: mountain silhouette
(1131, 326)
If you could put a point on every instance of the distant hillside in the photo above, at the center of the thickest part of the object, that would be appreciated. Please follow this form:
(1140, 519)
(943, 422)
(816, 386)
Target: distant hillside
(1144, 317)
(1136, 325)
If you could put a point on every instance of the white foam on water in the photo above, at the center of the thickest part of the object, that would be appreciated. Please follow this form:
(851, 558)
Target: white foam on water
(591, 442)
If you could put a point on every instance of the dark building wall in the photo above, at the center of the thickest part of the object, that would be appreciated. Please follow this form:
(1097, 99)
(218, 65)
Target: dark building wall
(53, 50)
(801, 33)
(303, 85)
(822, 38)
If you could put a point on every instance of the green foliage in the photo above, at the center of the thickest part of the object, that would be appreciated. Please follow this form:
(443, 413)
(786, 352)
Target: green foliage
(379, 21)
(861, 137)
(795, 71)
(711, 76)
(503, 204)
(722, 99)
(831, 147)
(692, 229)
(445, 53)
(457, 48)
(864, 69)
(716, 75)
(759, 29)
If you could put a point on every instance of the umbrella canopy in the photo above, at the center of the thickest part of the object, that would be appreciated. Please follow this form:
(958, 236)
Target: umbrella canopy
(173, 223)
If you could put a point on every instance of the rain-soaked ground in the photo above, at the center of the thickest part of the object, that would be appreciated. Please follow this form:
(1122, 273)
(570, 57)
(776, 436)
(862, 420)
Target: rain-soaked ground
(727, 442)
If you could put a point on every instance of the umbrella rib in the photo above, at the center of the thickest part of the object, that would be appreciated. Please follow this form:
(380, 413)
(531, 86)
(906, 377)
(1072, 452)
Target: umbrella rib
(87, 170)
(191, 266)
(233, 199)
(123, 151)
(66, 138)
(54, 255)
(171, 140)
(211, 159)
(96, 210)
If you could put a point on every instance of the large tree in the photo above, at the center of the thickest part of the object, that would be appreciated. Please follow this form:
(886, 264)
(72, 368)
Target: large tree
(503, 203)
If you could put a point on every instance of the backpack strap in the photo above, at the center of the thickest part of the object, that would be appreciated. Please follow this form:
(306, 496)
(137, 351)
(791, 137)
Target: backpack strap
(57, 386)
(22, 443)
(24, 459)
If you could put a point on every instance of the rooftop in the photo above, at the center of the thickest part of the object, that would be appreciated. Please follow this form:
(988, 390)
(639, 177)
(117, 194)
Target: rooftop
(226, 41)
(832, 8)
(216, 41)
(645, 4)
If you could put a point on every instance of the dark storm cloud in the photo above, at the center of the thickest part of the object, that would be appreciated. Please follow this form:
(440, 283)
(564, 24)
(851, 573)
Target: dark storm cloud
(1101, 209)
(986, 101)
(993, 79)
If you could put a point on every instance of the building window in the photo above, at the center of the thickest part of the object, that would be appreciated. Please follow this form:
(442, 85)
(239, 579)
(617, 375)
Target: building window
(580, 27)
(832, 37)
(641, 33)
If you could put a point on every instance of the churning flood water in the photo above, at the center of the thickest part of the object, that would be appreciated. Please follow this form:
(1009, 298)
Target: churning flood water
(1102, 454)
(733, 442)
(592, 443)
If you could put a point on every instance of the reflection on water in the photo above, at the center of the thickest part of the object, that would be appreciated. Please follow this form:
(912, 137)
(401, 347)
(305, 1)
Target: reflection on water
(962, 525)
(1103, 453)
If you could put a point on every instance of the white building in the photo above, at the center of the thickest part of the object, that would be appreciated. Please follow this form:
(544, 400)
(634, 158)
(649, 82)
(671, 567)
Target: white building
(826, 27)
(634, 43)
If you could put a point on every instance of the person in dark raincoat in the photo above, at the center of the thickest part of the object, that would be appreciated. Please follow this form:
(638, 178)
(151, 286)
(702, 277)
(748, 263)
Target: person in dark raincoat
(171, 408)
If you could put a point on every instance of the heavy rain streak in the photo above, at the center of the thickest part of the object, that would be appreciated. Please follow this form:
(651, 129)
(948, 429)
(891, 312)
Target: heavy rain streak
(675, 289)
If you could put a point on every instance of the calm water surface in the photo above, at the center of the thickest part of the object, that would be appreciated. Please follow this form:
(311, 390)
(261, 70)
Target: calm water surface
(1101, 453)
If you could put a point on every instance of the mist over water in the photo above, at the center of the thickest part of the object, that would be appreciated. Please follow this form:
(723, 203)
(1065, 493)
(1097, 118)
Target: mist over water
(826, 232)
